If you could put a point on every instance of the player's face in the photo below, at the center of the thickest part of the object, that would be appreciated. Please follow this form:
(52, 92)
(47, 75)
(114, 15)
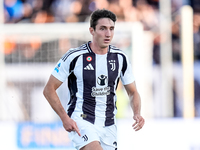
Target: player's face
(104, 32)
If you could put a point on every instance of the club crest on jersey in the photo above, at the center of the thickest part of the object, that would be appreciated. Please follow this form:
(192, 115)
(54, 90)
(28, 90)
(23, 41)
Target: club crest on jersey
(112, 63)
(89, 58)
(57, 67)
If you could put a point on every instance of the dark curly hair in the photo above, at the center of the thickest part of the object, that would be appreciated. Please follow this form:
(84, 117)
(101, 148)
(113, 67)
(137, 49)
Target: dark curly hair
(101, 13)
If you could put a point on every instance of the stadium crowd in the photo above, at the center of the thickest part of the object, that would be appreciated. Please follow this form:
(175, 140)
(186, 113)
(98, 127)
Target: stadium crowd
(144, 11)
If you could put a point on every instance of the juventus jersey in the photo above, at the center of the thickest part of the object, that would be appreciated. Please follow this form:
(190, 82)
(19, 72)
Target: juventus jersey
(92, 82)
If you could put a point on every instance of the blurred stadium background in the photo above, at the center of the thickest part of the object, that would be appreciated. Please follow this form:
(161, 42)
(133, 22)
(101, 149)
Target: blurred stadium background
(162, 39)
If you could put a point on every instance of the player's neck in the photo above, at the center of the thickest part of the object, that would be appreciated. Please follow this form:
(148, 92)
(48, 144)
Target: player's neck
(97, 49)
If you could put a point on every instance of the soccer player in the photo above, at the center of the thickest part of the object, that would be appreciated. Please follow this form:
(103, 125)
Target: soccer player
(93, 71)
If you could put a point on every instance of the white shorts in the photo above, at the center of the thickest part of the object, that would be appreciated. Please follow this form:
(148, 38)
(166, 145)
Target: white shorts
(107, 136)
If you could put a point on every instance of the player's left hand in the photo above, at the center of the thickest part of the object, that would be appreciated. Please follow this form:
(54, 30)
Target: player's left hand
(139, 122)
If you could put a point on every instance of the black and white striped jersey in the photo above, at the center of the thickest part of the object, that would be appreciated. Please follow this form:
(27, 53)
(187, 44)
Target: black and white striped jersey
(92, 82)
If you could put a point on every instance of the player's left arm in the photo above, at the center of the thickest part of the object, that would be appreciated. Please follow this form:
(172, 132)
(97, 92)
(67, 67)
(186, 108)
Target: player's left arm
(135, 103)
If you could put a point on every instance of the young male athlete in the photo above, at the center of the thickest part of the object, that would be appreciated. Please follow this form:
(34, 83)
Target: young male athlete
(93, 71)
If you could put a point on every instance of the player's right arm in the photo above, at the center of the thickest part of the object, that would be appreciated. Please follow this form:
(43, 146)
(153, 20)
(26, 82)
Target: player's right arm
(53, 99)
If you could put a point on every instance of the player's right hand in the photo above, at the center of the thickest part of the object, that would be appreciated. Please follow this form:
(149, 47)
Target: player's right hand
(70, 125)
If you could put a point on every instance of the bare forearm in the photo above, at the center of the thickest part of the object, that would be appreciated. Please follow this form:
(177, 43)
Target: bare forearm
(135, 103)
(136, 106)
(53, 99)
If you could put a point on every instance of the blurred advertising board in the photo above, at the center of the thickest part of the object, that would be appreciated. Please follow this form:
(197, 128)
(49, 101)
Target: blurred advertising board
(38, 135)
(157, 134)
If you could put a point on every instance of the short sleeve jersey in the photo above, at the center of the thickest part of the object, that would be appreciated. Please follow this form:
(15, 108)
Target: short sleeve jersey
(92, 82)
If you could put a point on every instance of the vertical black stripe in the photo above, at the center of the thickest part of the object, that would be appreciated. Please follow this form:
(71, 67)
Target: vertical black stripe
(89, 81)
(124, 67)
(72, 85)
(72, 89)
(113, 66)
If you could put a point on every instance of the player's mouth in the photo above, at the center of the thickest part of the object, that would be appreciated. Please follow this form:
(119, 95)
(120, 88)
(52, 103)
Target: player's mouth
(107, 40)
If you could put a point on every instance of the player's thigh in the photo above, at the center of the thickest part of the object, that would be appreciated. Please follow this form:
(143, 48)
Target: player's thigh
(95, 145)
(109, 138)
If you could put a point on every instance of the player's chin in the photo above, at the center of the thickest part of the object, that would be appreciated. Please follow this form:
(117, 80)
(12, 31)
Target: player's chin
(105, 44)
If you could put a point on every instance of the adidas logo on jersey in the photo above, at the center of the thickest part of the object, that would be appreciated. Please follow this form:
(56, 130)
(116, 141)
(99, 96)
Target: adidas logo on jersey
(89, 67)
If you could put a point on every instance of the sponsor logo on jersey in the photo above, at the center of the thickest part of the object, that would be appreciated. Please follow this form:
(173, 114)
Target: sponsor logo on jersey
(57, 67)
(112, 63)
(102, 80)
(98, 92)
(102, 91)
(89, 58)
(89, 67)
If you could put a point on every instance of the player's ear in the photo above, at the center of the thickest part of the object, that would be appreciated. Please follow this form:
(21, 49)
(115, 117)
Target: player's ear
(91, 30)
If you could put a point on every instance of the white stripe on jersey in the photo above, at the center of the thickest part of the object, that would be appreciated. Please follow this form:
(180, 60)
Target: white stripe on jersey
(101, 100)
